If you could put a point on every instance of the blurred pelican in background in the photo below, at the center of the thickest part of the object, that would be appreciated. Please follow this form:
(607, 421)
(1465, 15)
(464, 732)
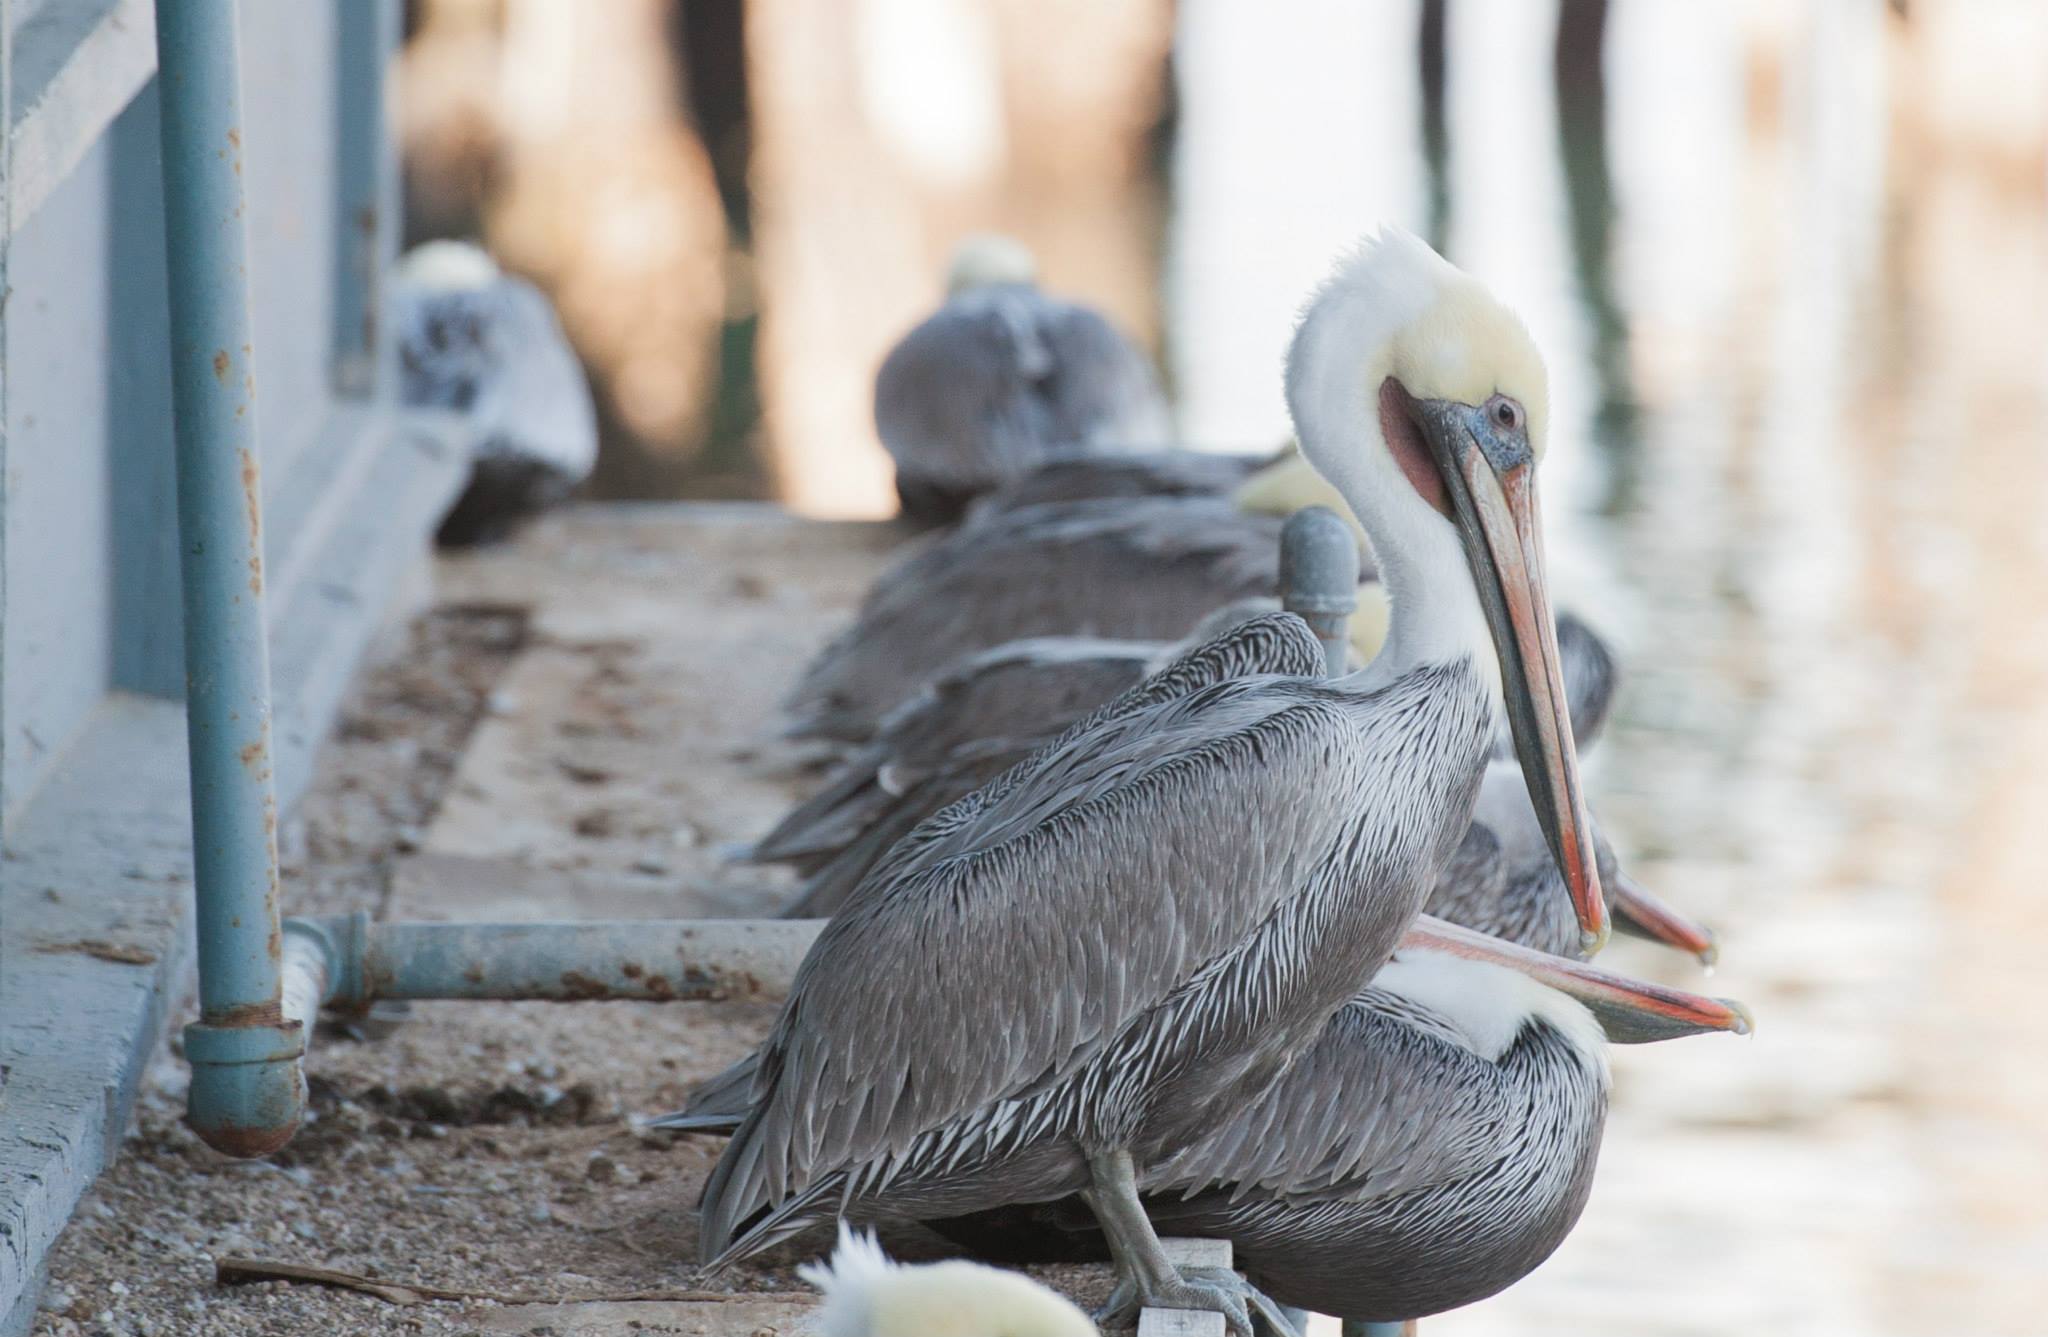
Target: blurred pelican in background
(1000, 377)
(486, 344)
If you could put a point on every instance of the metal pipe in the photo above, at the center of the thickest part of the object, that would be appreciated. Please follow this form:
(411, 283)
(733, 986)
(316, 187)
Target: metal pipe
(366, 190)
(247, 1088)
(353, 962)
(307, 976)
(1319, 579)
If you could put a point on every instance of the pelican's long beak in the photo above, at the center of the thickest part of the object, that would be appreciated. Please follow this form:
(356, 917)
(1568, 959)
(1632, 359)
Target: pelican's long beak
(1630, 1011)
(1490, 476)
(1641, 914)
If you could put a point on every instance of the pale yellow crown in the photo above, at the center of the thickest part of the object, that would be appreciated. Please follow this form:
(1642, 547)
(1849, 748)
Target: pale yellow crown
(1467, 347)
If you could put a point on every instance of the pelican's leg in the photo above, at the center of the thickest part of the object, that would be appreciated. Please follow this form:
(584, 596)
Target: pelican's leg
(1121, 1308)
(1145, 1278)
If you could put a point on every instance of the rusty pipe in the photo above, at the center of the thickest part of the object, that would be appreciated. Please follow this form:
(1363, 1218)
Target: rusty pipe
(356, 962)
(247, 1092)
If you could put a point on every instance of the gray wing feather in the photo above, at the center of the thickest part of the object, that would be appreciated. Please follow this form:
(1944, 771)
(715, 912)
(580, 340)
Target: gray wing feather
(1143, 569)
(1025, 688)
(1278, 643)
(900, 827)
(1386, 1101)
(851, 801)
(1021, 692)
(718, 1104)
(831, 883)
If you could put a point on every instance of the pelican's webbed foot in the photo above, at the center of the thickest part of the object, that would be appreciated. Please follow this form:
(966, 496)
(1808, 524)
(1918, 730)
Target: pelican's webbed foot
(1130, 1296)
(1145, 1277)
(1269, 1317)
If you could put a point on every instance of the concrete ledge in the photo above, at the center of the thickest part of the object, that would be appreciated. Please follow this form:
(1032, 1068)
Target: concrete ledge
(335, 555)
(97, 869)
(95, 879)
(77, 63)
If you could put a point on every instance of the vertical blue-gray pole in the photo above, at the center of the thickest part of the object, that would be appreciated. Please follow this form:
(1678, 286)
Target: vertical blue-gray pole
(1319, 579)
(6, 249)
(366, 190)
(247, 1089)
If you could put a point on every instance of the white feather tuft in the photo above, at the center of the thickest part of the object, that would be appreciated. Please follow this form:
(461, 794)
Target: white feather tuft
(1489, 1004)
(856, 1270)
(448, 266)
(867, 1294)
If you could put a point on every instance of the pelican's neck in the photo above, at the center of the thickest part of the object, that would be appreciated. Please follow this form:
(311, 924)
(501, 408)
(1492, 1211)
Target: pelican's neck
(1434, 613)
(1342, 354)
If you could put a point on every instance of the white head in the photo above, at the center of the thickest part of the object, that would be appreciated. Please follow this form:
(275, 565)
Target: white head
(869, 1295)
(1395, 311)
(983, 259)
(1422, 400)
(448, 266)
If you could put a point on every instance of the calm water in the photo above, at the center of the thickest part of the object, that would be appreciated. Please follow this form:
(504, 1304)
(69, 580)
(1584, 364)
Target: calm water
(1798, 476)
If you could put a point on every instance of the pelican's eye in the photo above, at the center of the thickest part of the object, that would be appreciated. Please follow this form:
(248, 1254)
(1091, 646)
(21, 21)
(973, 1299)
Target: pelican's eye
(1506, 413)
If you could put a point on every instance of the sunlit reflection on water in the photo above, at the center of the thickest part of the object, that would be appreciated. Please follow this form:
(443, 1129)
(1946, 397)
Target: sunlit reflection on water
(1801, 486)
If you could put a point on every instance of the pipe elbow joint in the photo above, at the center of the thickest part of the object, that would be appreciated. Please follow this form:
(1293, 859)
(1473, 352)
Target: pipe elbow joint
(248, 1082)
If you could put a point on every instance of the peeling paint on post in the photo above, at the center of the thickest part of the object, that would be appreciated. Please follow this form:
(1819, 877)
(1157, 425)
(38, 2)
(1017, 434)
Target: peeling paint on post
(247, 1089)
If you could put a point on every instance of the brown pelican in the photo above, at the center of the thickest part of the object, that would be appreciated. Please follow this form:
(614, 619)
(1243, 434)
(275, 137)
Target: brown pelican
(999, 376)
(1074, 971)
(993, 709)
(867, 1294)
(1143, 568)
(485, 343)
